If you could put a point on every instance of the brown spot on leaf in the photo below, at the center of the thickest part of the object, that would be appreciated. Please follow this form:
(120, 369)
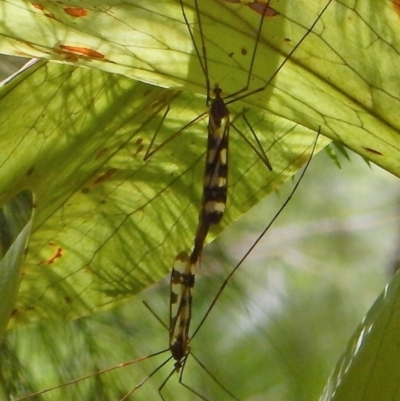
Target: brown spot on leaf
(38, 6)
(373, 151)
(244, 51)
(263, 9)
(30, 171)
(76, 12)
(57, 255)
(108, 174)
(139, 149)
(259, 7)
(85, 190)
(84, 51)
(396, 6)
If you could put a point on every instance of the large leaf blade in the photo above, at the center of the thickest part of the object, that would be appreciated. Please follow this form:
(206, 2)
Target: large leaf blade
(326, 82)
(108, 224)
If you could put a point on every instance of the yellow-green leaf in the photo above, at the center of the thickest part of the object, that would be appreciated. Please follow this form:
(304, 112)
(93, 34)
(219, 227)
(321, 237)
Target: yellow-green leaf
(341, 77)
(107, 223)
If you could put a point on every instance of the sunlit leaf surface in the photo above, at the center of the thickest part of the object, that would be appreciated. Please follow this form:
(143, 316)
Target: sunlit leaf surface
(107, 223)
(342, 77)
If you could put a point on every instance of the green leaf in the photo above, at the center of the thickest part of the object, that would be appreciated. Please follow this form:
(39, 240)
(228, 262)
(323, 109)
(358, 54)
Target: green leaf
(331, 80)
(107, 223)
(369, 369)
(15, 224)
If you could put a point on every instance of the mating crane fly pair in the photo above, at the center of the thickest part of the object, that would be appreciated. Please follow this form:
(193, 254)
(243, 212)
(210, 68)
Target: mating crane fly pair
(211, 211)
(213, 202)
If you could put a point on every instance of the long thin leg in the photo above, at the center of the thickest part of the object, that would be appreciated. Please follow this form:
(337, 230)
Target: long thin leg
(225, 282)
